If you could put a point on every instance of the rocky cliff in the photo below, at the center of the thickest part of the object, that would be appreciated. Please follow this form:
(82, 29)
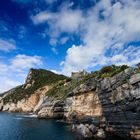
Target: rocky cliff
(120, 99)
(96, 104)
(26, 97)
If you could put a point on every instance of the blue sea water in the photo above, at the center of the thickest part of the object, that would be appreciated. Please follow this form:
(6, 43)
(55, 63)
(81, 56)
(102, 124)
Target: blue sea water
(24, 127)
(14, 126)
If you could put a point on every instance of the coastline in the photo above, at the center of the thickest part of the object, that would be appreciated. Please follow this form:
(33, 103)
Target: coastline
(94, 107)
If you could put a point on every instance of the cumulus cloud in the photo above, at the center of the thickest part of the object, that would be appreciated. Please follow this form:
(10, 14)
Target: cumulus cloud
(22, 61)
(65, 20)
(68, 20)
(106, 29)
(7, 45)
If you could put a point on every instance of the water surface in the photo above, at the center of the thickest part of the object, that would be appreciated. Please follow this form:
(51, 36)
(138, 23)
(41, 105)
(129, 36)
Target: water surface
(27, 127)
(24, 127)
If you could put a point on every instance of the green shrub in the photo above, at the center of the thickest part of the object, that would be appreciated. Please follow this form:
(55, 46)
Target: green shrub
(106, 69)
(40, 77)
(61, 85)
(109, 71)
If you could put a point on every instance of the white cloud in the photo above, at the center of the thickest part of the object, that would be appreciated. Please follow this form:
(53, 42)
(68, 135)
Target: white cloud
(118, 58)
(118, 26)
(6, 84)
(14, 72)
(53, 41)
(3, 68)
(64, 21)
(68, 20)
(57, 72)
(62, 63)
(7, 45)
(22, 32)
(104, 30)
(54, 50)
(63, 40)
(42, 17)
(22, 61)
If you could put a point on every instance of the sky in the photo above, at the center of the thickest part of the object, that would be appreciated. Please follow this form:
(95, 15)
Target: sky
(65, 36)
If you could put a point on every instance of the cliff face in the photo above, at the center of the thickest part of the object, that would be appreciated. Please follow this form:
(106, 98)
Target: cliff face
(26, 104)
(26, 97)
(96, 104)
(121, 103)
(87, 104)
(80, 105)
(100, 105)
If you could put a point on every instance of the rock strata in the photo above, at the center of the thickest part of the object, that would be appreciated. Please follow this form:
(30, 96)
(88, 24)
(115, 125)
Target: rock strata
(121, 104)
(95, 104)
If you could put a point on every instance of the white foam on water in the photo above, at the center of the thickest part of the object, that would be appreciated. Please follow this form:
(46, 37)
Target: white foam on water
(30, 115)
(19, 118)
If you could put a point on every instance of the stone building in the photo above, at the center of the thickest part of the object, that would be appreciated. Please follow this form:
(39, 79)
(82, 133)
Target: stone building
(78, 75)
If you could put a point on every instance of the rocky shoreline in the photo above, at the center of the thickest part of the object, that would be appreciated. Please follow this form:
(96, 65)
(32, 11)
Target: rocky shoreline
(94, 106)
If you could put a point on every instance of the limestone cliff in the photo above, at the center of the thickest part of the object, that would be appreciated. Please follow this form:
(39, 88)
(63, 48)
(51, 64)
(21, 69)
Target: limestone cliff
(87, 104)
(120, 100)
(98, 103)
(26, 104)
(26, 97)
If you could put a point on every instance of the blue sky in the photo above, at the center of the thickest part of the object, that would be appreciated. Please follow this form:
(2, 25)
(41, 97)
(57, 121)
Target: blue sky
(66, 35)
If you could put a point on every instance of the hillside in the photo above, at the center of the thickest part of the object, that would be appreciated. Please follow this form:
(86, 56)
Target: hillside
(36, 79)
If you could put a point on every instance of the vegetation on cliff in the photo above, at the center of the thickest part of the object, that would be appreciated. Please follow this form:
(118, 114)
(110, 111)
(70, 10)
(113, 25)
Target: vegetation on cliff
(64, 88)
(44, 77)
(109, 71)
(36, 79)
(61, 85)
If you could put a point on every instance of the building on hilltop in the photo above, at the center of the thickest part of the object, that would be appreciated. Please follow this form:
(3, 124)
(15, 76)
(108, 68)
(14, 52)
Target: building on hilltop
(78, 75)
